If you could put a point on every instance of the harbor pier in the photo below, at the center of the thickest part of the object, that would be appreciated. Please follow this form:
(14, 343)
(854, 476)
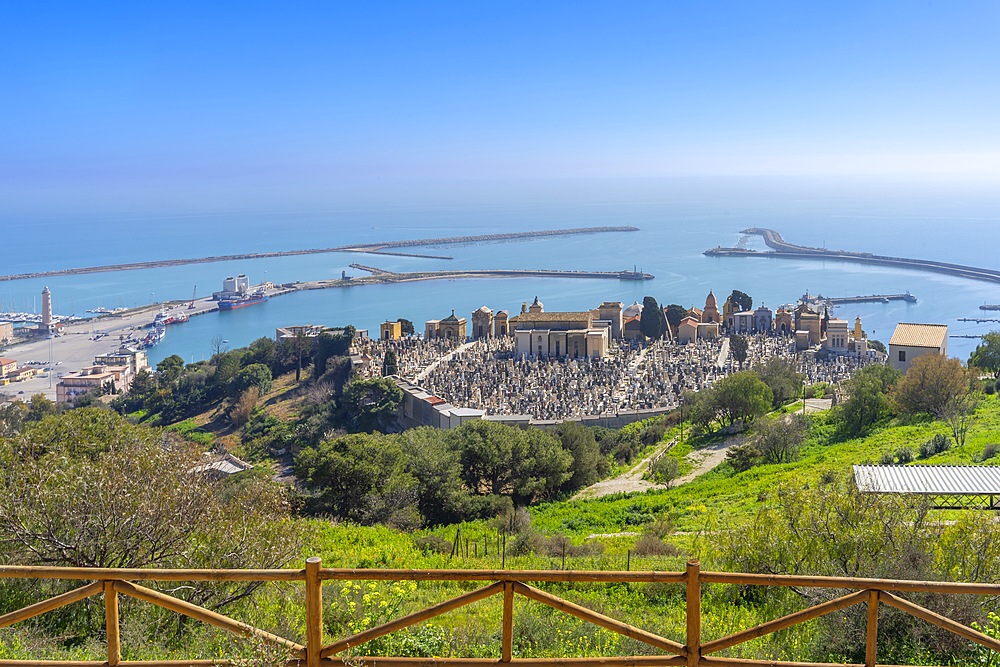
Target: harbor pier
(785, 250)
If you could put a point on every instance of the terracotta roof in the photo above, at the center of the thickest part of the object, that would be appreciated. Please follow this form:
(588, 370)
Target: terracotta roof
(919, 335)
(4, 361)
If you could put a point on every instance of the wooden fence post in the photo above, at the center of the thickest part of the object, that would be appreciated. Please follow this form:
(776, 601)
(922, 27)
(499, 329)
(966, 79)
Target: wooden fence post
(871, 644)
(314, 612)
(693, 613)
(112, 624)
(507, 647)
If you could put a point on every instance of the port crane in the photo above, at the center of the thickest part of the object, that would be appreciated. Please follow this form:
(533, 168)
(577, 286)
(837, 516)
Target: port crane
(194, 293)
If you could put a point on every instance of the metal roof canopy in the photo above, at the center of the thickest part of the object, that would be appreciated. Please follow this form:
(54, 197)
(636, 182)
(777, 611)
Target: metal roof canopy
(951, 486)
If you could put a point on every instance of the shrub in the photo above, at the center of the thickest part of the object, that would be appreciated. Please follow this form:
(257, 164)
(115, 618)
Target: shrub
(664, 469)
(939, 443)
(650, 545)
(887, 460)
(989, 451)
(904, 455)
(433, 543)
(990, 387)
(743, 457)
(652, 434)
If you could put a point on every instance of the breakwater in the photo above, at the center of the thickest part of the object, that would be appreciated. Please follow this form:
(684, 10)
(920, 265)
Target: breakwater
(381, 276)
(868, 298)
(376, 248)
(783, 249)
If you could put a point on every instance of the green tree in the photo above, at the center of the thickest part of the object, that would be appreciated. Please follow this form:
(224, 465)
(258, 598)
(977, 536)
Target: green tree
(544, 468)
(526, 465)
(360, 477)
(781, 378)
(390, 366)
(868, 401)
(741, 300)
(738, 347)
(651, 319)
(664, 470)
(741, 397)
(442, 497)
(300, 344)
(264, 351)
(779, 440)
(12, 418)
(700, 408)
(674, 314)
(931, 383)
(406, 326)
(742, 457)
(371, 405)
(987, 354)
(170, 369)
(89, 489)
(588, 465)
(227, 367)
(40, 407)
(958, 413)
(329, 345)
(254, 375)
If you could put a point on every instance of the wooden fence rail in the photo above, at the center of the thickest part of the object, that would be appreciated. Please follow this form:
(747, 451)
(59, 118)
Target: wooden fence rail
(693, 651)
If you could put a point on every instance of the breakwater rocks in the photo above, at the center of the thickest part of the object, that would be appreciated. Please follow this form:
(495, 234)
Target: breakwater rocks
(783, 249)
(376, 248)
(380, 276)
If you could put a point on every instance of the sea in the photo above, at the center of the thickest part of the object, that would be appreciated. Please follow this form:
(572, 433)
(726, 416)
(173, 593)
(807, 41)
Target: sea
(678, 219)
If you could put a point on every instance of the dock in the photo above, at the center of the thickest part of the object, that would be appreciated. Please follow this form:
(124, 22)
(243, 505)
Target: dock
(374, 270)
(785, 250)
(381, 276)
(872, 298)
(830, 301)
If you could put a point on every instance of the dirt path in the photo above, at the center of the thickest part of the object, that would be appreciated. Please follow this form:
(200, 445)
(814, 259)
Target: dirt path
(632, 481)
(628, 482)
(706, 459)
(723, 354)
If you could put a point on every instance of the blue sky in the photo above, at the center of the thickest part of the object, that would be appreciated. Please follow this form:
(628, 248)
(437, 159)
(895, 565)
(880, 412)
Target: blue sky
(138, 101)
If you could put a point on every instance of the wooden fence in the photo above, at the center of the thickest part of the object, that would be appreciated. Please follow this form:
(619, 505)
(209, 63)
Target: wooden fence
(506, 583)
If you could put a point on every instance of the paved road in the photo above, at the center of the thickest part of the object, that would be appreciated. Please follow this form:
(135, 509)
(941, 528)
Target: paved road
(78, 344)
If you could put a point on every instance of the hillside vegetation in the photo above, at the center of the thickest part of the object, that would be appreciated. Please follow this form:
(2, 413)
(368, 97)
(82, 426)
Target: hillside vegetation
(783, 501)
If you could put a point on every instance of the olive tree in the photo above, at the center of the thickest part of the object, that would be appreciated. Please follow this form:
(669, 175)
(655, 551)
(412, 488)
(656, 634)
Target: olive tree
(89, 489)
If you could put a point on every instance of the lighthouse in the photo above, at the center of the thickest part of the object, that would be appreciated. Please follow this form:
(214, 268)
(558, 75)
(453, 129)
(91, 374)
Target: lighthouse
(46, 326)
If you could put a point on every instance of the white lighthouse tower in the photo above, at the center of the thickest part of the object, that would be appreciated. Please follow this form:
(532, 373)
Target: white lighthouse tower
(46, 326)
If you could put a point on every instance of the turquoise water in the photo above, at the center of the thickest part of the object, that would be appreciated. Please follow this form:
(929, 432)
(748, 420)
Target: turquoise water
(678, 221)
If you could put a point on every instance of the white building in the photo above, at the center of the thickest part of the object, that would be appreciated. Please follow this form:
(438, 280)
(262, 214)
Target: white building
(910, 341)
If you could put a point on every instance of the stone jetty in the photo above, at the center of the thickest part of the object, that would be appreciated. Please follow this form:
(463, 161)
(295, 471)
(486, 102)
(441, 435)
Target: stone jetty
(378, 248)
(783, 249)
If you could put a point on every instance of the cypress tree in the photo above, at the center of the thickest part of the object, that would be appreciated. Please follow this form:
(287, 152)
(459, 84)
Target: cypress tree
(651, 318)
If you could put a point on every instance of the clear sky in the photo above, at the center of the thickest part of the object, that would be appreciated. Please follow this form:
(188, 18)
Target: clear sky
(215, 100)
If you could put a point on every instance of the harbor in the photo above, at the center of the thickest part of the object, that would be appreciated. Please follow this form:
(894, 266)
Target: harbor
(782, 249)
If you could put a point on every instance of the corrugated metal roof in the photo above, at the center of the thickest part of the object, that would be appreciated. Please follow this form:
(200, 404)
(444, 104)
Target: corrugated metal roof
(929, 480)
(919, 335)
